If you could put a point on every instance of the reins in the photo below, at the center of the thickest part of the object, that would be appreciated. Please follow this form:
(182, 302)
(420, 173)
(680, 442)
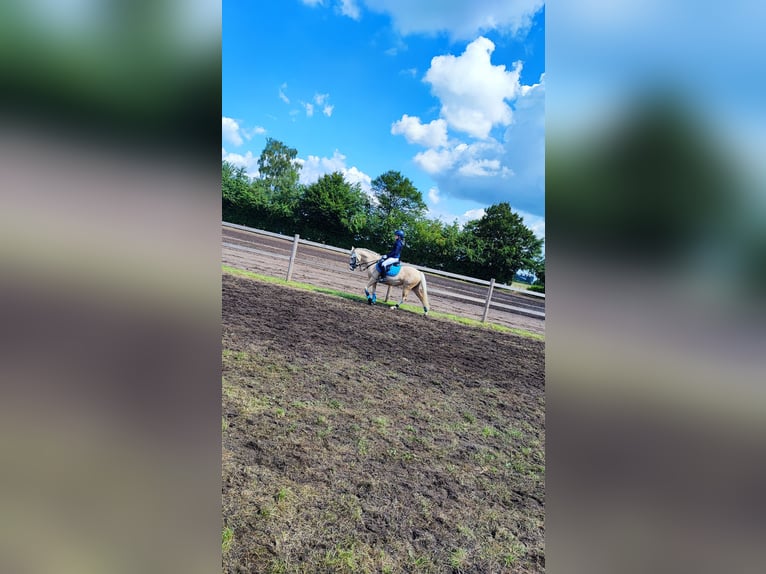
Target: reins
(365, 266)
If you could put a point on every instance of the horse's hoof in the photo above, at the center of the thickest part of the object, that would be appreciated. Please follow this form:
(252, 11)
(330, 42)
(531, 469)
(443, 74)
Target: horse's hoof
(369, 300)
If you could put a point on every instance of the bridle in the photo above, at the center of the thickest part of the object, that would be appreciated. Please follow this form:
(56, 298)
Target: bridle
(353, 265)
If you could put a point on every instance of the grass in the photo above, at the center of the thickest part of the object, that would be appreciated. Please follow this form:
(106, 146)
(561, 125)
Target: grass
(409, 307)
(458, 558)
(341, 559)
(381, 422)
(512, 556)
(227, 538)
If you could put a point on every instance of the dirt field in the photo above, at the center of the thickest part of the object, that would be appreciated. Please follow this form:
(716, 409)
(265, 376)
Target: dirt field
(356, 439)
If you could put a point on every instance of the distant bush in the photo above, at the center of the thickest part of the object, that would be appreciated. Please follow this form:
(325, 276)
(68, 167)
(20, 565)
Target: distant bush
(536, 288)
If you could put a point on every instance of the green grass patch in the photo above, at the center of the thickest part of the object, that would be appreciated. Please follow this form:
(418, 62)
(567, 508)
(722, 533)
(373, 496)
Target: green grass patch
(341, 559)
(458, 559)
(227, 539)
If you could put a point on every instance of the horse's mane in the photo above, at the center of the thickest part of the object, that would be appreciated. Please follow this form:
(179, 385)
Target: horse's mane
(369, 252)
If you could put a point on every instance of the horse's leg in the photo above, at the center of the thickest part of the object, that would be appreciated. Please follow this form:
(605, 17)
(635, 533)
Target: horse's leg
(371, 296)
(405, 291)
(422, 293)
(418, 290)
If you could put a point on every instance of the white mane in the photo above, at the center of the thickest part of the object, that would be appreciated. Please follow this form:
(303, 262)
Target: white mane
(363, 253)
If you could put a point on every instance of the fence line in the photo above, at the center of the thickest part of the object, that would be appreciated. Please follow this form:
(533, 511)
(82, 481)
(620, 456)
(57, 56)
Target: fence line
(486, 302)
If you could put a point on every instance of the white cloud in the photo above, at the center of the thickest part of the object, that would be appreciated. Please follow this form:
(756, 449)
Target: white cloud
(248, 161)
(441, 162)
(433, 195)
(483, 168)
(349, 8)
(315, 167)
(476, 99)
(319, 100)
(282, 95)
(524, 140)
(354, 175)
(437, 161)
(460, 19)
(535, 222)
(511, 170)
(433, 134)
(233, 133)
(472, 214)
(472, 91)
(230, 131)
(322, 101)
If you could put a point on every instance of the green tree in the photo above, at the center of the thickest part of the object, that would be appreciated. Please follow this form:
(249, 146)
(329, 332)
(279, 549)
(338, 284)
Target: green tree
(244, 200)
(332, 211)
(499, 244)
(538, 268)
(279, 172)
(235, 186)
(432, 243)
(400, 205)
(278, 167)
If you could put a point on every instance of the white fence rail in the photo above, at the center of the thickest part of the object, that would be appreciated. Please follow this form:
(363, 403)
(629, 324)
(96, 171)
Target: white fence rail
(532, 310)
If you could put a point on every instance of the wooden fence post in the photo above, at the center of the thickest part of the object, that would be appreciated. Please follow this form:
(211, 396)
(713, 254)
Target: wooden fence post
(489, 298)
(292, 257)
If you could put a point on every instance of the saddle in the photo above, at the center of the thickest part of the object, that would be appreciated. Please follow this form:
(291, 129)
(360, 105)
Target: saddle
(393, 271)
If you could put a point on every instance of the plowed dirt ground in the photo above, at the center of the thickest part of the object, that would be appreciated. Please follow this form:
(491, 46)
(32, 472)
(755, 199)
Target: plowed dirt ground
(356, 439)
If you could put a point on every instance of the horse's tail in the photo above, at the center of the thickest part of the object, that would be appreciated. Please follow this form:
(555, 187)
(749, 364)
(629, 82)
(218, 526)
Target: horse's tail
(424, 290)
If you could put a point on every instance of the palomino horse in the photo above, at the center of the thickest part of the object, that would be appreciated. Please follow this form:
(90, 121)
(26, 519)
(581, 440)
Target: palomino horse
(409, 278)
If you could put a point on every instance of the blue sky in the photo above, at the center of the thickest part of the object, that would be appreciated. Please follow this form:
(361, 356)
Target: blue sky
(451, 93)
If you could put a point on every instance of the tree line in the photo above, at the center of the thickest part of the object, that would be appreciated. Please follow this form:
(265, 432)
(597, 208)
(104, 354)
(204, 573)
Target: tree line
(336, 212)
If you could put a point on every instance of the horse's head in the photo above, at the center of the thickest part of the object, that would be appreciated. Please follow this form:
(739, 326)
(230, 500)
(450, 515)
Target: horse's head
(361, 258)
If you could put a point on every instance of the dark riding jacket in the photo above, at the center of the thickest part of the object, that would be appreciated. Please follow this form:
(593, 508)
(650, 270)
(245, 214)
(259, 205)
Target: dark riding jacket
(396, 251)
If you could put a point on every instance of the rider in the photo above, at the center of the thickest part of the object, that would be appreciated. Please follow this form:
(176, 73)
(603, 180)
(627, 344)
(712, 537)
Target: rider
(394, 255)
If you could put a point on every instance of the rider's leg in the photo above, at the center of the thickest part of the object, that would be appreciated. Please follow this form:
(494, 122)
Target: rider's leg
(386, 265)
